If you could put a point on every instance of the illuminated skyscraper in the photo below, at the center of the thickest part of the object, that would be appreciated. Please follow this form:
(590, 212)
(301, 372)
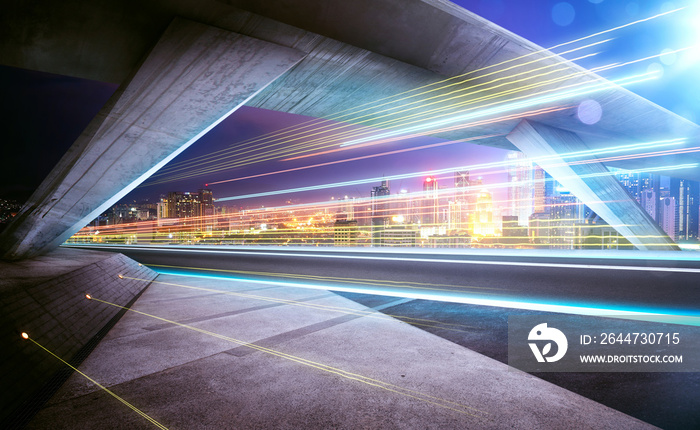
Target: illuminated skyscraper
(459, 208)
(461, 185)
(347, 208)
(649, 202)
(669, 216)
(179, 204)
(430, 202)
(380, 210)
(686, 194)
(692, 209)
(380, 203)
(565, 215)
(345, 233)
(457, 215)
(520, 186)
(631, 183)
(483, 216)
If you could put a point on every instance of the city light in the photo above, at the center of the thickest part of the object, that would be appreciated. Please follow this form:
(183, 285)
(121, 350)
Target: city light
(513, 203)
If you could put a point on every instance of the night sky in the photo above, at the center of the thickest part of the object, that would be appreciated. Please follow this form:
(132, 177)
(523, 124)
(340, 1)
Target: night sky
(43, 114)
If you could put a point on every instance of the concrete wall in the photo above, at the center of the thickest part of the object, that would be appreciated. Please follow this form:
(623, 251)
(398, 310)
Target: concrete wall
(194, 77)
(53, 309)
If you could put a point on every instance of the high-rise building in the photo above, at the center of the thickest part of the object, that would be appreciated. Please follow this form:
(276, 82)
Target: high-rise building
(347, 207)
(566, 214)
(380, 210)
(649, 202)
(379, 200)
(459, 208)
(692, 208)
(461, 185)
(483, 216)
(180, 204)
(539, 191)
(686, 194)
(669, 216)
(630, 181)
(520, 186)
(457, 216)
(431, 207)
(345, 233)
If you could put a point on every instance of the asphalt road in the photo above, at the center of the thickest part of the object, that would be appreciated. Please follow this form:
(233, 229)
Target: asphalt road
(609, 281)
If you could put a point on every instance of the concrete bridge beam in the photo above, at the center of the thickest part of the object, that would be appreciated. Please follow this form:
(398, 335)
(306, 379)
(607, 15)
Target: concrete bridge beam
(590, 182)
(193, 78)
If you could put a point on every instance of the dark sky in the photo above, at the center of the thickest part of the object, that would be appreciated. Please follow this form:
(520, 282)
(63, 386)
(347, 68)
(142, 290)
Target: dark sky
(43, 114)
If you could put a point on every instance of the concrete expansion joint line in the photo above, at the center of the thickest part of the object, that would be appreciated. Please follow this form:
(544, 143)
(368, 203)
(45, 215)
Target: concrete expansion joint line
(406, 392)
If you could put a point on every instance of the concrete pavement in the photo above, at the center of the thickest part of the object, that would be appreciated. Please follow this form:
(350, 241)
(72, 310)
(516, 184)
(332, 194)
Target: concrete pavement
(318, 361)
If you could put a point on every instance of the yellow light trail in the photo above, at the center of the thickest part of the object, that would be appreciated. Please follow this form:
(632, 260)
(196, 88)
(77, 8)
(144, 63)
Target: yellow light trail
(451, 142)
(474, 72)
(505, 105)
(347, 160)
(524, 101)
(272, 154)
(310, 233)
(323, 142)
(218, 154)
(412, 175)
(313, 231)
(531, 113)
(348, 311)
(497, 65)
(105, 389)
(437, 401)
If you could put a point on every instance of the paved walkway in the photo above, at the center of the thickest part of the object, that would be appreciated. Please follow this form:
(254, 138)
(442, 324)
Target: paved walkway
(317, 360)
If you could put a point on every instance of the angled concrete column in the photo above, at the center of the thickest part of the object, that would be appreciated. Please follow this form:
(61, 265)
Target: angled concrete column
(194, 77)
(590, 182)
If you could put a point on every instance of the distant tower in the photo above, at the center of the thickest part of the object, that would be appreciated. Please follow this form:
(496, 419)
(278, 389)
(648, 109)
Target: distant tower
(431, 207)
(206, 200)
(669, 216)
(380, 205)
(630, 181)
(543, 192)
(649, 202)
(461, 185)
(686, 194)
(206, 209)
(380, 211)
(459, 210)
(347, 207)
(483, 217)
(565, 214)
(520, 186)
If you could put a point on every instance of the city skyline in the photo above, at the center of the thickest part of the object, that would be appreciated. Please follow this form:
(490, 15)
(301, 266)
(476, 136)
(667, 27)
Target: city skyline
(453, 209)
(321, 174)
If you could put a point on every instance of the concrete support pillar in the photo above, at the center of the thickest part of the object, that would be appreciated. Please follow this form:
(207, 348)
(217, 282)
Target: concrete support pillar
(590, 182)
(194, 77)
